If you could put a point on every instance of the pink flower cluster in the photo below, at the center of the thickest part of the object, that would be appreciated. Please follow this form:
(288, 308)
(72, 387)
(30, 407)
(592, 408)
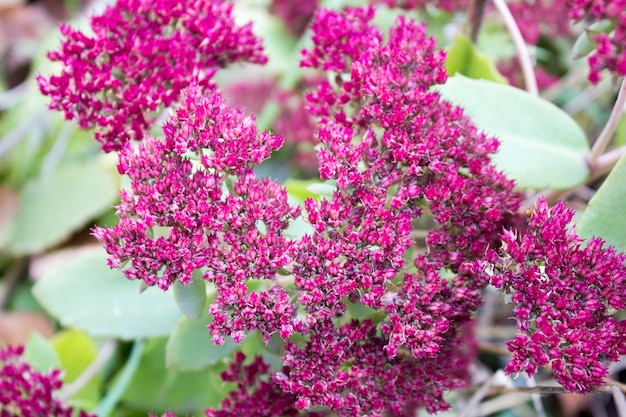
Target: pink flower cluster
(296, 14)
(610, 53)
(26, 392)
(565, 294)
(394, 148)
(345, 370)
(541, 17)
(450, 6)
(255, 396)
(141, 55)
(195, 203)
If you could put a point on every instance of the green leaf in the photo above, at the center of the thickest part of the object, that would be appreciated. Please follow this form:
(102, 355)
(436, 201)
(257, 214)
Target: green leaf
(154, 388)
(541, 146)
(52, 208)
(191, 348)
(40, 354)
(85, 294)
(300, 188)
(464, 58)
(191, 297)
(77, 351)
(604, 216)
(585, 44)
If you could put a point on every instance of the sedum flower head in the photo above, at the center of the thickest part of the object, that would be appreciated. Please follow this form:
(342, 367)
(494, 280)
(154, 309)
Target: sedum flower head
(195, 203)
(610, 52)
(565, 293)
(139, 58)
(25, 391)
(394, 148)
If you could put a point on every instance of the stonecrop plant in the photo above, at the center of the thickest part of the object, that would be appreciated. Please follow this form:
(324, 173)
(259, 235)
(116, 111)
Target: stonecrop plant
(359, 291)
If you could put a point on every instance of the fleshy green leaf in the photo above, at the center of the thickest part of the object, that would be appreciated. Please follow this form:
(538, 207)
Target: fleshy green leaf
(541, 146)
(464, 58)
(52, 208)
(604, 216)
(191, 297)
(76, 351)
(155, 388)
(40, 354)
(85, 294)
(191, 348)
(300, 188)
(585, 44)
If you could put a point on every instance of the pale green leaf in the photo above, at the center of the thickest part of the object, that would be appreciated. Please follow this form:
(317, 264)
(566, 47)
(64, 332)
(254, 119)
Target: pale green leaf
(541, 146)
(464, 58)
(52, 208)
(191, 297)
(155, 388)
(605, 216)
(40, 354)
(85, 294)
(77, 351)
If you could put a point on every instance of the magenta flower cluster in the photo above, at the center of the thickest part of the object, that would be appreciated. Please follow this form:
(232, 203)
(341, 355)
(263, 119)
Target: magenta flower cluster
(393, 147)
(396, 154)
(141, 55)
(566, 293)
(24, 391)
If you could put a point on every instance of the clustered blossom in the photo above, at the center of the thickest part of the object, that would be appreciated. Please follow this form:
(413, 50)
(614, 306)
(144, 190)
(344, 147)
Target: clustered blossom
(25, 391)
(343, 369)
(141, 55)
(565, 295)
(541, 17)
(178, 215)
(393, 147)
(610, 52)
(428, 149)
(450, 6)
(256, 394)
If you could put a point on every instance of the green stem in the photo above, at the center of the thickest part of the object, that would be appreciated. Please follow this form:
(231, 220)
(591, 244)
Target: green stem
(108, 403)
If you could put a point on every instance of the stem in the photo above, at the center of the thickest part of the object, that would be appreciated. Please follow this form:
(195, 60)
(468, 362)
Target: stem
(607, 133)
(542, 390)
(108, 403)
(482, 392)
(523, 53)
(541, 412)
(11, 278)
(620, 401)
(476, 13)
(605, 163)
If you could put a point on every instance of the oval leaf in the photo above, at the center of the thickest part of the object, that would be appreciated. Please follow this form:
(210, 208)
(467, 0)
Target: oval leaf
(464, 58)
(604, 216)
(191, 297)
(190, 347)
(40, 353)
(154, 388)
(52, 208)
(541, 146)
(585, 44)
(85, 294)
(76, 351)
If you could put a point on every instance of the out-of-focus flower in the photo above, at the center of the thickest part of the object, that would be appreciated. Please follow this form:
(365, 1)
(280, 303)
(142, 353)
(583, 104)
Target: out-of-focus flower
(138, 59)
(610, 53)
(296, 14)
(24, 391)
(565, 293)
